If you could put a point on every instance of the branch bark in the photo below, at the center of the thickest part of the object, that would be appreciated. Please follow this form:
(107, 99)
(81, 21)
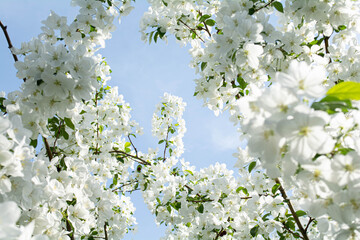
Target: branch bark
(293, 212)
(192, 30)
(4, 28)
(139, 160)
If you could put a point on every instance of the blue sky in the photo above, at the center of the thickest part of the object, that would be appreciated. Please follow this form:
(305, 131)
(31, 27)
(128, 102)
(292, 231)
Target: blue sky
(143, 73)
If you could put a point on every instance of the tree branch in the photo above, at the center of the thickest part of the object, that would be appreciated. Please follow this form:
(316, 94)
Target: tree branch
(309, 222)
(136, 152)
(105, 231)
(191, 30)
(69, 229)
(166, 144)
(139, 160)
(8, 40)
(266, 5)
(3, 27)
(293, 213)
(206, 27)
(58, 133)
(48, 149)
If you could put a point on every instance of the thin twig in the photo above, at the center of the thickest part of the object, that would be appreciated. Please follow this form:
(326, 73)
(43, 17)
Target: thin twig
(219, 233)
(57, 134)
(326, 41)
(293, 212)
(105, 231)
(123, 185)
(206, 27)
(192, 30)
(256, 10)
(139, 160)
(309, 222)
(3, 27)
(290, 231)
(69, 229)
(8, 40)
(48, 149)
(136, 152)
(166, 144)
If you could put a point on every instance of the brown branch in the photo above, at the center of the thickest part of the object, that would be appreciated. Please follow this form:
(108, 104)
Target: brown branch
(206, 27)
(220, 233)
(266, 5)
(139, 160)
(308, 224)
(8, 40)
(326, 41)
(58, 134)
(69, 229)
(191, 30)
(293, 212)
(290, 231)
(3, 27)
(136, 152)
(166, 144)
(48, 149)
(123, 185)
(105, 231)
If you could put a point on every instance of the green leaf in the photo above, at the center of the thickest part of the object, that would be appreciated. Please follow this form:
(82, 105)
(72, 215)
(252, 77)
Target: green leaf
(345, 90)
(190, 172)
(210, 22)
(203, 66)
(275, 188)
(109, 3)
(65, 135)
(254, 231)
(188, 224)
(33, 142)
(151, 36)
(340, 28)
(204, 17)
(244, 190)
(251, 11)
(101, 128)
(200, 208)
(241, 82)
(165, 3)
(252, 166)
(156, 36)
(69, 123)
(168, 208)
(290, 224)
(331, 104)
(300, 213)
(2, 107)
(127, 144)
(278, 6)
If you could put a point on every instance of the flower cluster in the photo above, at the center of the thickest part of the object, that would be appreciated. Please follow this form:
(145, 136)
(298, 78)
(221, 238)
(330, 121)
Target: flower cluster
(312, 149)
(271, 77)
(236, 45)
(170, 120)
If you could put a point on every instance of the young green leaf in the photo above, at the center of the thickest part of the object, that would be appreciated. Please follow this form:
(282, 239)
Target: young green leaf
(278, 6)
(200, 208)
(252, 166)
(69, 123)
(204, 17)
(275, 188)
(300, 213)
(345, 90)
(210, 22)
